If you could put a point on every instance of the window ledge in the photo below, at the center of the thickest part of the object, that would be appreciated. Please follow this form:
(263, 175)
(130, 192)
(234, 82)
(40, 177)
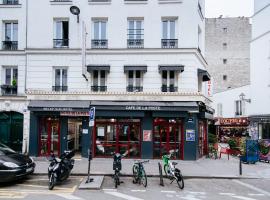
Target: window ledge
(170, 1)
(135, 2)
(61, 2)
(99, 2)
(10, 6)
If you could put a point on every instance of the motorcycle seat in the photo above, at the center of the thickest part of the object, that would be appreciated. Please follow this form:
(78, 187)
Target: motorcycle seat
(174, 163)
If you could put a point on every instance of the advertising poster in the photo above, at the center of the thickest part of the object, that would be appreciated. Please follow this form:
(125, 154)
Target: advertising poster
(190, 135)
(147, 135)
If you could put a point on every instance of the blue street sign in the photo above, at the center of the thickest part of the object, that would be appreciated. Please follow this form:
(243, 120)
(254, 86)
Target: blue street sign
(92, 113)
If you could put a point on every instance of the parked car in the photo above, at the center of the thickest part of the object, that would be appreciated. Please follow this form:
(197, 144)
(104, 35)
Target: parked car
(14, 165)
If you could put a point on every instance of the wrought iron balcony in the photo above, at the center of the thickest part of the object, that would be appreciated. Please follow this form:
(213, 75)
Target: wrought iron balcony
(10, 2)
(10, 45)
(99, 44)
(169, 43)
(98, 88)
(60, 88)
(134, 89)
(60, 43)
(164, 88)
(135, 43)
(8, 90)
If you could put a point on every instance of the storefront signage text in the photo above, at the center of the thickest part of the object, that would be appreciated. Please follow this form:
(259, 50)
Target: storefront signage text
(233, 121)
(56, 109)
(143, 108)
(74, 114)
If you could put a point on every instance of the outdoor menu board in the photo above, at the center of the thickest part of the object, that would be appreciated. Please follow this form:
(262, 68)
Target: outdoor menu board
(190, 135)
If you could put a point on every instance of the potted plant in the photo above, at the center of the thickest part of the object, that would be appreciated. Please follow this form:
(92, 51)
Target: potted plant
(14, 82)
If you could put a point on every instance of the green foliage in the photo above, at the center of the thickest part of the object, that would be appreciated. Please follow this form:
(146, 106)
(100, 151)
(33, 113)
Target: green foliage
(232, 143)
(14, 82)
(264, 148)
(212, 138)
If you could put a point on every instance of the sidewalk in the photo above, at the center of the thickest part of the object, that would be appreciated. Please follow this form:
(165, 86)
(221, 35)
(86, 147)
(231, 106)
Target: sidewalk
(203, 168)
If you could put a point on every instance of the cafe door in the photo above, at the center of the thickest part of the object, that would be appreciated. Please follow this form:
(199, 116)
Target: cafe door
(168, 138)
(202, 138)
(49, 136)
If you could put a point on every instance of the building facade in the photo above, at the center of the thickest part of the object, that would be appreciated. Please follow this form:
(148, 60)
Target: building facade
(227, 42)
(144, 73)
(260, 69)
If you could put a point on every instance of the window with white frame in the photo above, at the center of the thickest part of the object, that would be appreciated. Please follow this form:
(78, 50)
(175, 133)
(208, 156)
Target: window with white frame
(60, 79)
(169, 81)
(10, 36)
(61, 33)
(99, 39)
(239, 108)
(135, 33)
(99, 81)
(10, 76)
(135, 81)
(169, 33)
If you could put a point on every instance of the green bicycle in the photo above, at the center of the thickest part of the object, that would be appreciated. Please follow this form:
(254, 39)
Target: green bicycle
(139, 175)
(171, 171)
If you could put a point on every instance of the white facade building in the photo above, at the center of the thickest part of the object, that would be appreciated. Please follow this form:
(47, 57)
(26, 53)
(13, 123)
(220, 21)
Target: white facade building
(142, 60)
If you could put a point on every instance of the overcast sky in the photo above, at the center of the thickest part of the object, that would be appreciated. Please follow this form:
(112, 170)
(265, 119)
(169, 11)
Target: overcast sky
(228, 8)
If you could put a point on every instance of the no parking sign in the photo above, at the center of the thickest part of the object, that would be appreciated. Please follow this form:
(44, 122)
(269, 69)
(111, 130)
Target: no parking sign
(92, 116)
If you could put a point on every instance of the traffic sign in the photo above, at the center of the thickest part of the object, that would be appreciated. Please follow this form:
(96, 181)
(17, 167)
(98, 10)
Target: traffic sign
(92, 114)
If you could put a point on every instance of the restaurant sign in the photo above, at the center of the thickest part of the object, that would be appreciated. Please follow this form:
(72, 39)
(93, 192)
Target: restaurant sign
(143, 108)
(74, 114)
(243, 121)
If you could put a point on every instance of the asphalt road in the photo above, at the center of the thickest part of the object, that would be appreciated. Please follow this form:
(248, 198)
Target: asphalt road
(35, 188)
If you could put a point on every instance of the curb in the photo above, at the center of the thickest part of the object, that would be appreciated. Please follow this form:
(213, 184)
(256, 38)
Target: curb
(157, 176)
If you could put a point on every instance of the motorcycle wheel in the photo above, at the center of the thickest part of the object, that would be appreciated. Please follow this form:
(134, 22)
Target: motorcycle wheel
(180, 181)
(116, 181)
(144, 178)
(51, 182)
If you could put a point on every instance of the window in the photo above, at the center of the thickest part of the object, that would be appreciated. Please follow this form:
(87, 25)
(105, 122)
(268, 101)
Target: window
(61, 34)
(224, 61)
(10, 2)
(219, 110)
(169, 81)
(99, 81)
(224, 77)
(135, 81)
(224, 45)
(9, 86)
(99, 39)
(10, 36)
(239, 108)
(60, 79)
(168, 34)
(135, 34)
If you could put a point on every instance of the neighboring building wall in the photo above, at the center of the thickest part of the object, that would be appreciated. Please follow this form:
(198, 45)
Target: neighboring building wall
(224, 102)
(260, 60)
(227, 52)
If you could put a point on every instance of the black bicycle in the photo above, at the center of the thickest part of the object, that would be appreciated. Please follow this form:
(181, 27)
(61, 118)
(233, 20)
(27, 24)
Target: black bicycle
(117, 166)
(139, 175)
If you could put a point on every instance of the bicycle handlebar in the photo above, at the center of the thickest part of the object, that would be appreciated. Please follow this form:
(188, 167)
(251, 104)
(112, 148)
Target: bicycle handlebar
(141, 162)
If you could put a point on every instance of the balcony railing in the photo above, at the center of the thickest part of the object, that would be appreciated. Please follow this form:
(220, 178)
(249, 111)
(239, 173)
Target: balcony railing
(169, 43)
(60, 88)
(134, 89)
(169, 89)
(99, 44)
(10, 45)
(8, 90)
(10, 2)
(135, 43)
(60, 43)
(99, 88)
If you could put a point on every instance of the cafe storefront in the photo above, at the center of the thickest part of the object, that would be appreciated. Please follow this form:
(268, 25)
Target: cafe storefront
(136, 129)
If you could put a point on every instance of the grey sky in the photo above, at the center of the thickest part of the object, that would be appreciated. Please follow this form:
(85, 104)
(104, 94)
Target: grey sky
(228, 8)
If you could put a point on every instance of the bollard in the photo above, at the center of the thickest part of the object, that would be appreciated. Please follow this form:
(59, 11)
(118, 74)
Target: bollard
(240, 166)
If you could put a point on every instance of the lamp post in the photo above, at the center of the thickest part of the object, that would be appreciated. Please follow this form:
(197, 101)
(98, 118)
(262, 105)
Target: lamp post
(242, 98)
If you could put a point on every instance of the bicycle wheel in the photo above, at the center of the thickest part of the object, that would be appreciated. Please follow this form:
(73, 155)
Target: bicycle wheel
(166, 167)
(116, 180)
(143, 178)
(135, 172)
(180, 181)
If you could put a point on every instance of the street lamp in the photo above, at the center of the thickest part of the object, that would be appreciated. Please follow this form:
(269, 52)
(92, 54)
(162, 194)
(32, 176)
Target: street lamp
(75, 11)
(242, 98)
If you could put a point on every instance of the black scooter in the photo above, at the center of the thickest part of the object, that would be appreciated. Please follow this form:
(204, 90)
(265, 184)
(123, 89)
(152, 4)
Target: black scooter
(60, 168)
(117, 166)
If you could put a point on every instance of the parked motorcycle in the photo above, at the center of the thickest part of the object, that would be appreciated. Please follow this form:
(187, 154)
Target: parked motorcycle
(60, 168)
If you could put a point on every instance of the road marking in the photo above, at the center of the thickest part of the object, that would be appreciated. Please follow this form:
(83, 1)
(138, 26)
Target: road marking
(169, 196)
(41, 186)
(69, 196)
(110, 190)
(244, 198)
(196, 192)
(252, 187)
(138, 190)
(256, 194)
(189, 197)
(123, 196)
(229, 194)
(171, 192)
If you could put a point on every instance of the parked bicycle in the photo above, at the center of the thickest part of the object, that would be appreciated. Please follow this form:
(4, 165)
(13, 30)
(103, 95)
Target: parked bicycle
(139, 175)
(171, 172)
(117, 167)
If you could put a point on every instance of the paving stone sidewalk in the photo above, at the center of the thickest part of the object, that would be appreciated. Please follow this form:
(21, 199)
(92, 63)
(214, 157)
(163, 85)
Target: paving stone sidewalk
(202, 168)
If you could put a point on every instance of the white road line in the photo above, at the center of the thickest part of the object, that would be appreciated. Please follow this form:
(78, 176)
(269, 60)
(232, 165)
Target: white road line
(189, 197)
(171, 192)
(256, 194)
(110, 190)
(241, 197)
(69, 196)
(229, 194)
(123, 196)
(252, 187)
(138, 190)
(196, 192)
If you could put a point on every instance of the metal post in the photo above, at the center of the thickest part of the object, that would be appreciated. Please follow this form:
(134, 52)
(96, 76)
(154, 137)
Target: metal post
(240, 166)
(89, 180)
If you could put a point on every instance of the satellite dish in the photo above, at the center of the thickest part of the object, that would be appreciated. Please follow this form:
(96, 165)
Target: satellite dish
(75, 11)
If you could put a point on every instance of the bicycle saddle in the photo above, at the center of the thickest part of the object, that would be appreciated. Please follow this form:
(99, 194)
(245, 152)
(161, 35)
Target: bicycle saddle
(174, 163)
